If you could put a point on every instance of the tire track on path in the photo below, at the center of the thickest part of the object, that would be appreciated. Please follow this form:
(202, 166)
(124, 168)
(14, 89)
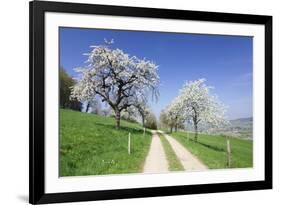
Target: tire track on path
(189, 161)
(156, 161)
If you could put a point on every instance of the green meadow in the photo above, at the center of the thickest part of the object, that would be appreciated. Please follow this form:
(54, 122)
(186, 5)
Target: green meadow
(211, 150)
(91, 145)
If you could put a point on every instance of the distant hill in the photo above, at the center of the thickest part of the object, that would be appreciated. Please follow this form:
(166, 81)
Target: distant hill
(243, 120)
(243, 127)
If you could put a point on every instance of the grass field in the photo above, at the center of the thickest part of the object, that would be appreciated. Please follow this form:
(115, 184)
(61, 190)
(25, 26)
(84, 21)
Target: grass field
(173, 161)
(90, 145)
(211, 150)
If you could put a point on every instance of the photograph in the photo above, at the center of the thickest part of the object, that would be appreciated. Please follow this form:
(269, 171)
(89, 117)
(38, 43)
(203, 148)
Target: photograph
(133, 102)
(153, 102)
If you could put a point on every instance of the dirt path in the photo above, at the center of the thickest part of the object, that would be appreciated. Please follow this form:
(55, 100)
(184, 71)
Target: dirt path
(156, 161)
(188, 160)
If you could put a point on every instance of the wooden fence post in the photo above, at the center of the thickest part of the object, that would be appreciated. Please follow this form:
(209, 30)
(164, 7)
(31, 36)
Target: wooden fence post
(228, 149)
(129, 143)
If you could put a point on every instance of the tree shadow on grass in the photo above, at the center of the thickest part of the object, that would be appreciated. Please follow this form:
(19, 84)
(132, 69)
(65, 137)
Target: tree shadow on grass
(219, 149)
(122, 128)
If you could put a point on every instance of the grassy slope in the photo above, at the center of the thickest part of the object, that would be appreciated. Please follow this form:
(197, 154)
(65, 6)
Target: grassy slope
(174, 163)
(90, 145)
(211, 150)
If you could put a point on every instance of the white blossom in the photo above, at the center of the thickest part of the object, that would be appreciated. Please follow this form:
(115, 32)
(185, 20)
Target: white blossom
(199, 105)
(118, 78)
(196, 104)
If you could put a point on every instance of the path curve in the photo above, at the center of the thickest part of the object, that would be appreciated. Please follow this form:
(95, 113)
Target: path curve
(187, 159)
(156, 161)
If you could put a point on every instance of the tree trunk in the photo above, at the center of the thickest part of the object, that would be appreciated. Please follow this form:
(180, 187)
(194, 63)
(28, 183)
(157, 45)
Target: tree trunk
(176, 124)
(117, 118)
(171, 129)
(143, 118)
(196, 131)
(87, 108)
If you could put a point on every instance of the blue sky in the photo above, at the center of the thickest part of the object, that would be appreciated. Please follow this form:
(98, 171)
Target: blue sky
(225, 61)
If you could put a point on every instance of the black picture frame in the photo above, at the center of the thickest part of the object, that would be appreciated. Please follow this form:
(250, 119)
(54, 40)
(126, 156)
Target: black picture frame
(37, 10)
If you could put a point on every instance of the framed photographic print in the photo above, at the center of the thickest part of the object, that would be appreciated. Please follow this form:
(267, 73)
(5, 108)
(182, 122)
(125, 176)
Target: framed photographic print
(140, 102)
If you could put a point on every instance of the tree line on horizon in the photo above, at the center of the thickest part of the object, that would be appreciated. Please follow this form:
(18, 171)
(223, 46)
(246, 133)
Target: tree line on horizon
(65, 84)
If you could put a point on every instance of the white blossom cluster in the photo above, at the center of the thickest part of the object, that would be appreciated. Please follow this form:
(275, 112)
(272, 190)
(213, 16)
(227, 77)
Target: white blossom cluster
(117, 78)
(196, 104)
(174, 115)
